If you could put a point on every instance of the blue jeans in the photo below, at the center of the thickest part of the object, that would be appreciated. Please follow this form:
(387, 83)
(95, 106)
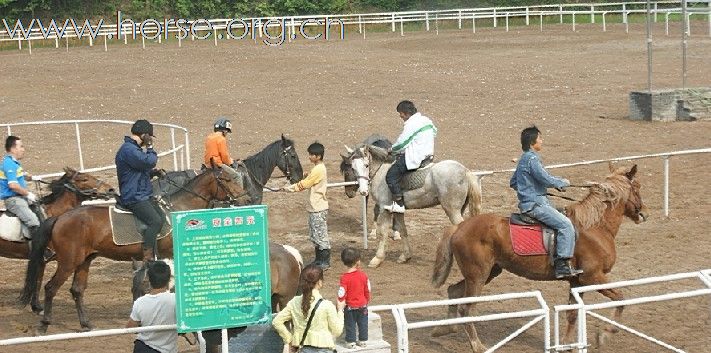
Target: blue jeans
(565, 232)
(21, 208)
(356, 317)
(394, 175)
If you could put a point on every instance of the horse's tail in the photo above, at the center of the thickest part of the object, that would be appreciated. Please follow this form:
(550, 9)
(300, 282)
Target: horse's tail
(443, 258)
(36, 264)
(473, 195)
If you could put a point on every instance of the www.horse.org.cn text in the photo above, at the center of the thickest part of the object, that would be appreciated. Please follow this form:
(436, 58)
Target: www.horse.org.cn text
(272, 32)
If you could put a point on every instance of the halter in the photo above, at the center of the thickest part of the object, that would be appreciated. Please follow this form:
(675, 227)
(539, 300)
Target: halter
(287, 171)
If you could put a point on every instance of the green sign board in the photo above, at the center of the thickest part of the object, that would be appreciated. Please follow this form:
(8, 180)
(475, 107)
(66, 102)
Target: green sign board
(222, 274)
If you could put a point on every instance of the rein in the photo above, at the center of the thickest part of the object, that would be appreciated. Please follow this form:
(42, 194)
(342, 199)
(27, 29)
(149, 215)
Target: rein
(562, 197)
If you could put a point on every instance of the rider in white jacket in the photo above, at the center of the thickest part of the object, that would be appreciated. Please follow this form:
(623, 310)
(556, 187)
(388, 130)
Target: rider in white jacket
(415, 144)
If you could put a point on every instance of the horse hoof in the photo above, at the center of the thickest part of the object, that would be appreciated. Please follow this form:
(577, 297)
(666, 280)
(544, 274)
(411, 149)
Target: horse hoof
(402, 259)
(395, 235)
(86, 328)
(375, 262)
(41, 329)
(38, 309)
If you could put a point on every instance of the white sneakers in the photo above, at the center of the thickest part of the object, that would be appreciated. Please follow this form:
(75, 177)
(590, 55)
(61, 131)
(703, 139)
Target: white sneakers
(395, 208)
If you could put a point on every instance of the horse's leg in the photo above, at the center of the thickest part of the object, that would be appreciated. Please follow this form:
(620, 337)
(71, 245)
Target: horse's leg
(81, 278)
(36, 305)
(384, 219)
(399, 221)
(571, 315)
(613, 294)
(471, 289)
(376, 212)
(454, 291)
(50, 290)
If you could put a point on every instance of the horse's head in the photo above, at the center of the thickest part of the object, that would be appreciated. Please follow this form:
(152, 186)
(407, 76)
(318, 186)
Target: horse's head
(229, 186)
(360, 162)
(87, 184)
(634, 207)
(288, 161)
(348, 172)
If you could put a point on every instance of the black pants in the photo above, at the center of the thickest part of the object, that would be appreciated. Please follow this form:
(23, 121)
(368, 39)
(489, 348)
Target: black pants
(151, 214)
(356, 317)
(140, 347)
(394, 175)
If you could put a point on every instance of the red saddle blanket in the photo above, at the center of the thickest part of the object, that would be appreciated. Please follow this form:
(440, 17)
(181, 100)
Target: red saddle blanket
(527, 240)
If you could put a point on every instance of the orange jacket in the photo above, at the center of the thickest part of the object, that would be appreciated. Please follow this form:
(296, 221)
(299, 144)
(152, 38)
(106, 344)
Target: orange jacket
(216, 148)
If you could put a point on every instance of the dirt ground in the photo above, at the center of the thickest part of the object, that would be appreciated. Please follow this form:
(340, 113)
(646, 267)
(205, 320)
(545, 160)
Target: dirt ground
(480, 89)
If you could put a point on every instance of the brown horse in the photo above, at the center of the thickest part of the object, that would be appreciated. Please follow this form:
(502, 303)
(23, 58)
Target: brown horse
(66, 193)
(482, 247)
(285, 265)
(84, 233)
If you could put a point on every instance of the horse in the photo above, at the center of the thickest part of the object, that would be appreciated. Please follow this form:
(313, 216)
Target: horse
(351, 191)
(447, 183)
(482, 247)
(258, 168)
(84, 233)
(66, 193)
(285, 264)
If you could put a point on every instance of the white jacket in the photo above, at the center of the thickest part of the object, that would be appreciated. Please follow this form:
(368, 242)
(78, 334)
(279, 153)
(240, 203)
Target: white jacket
(417, 140)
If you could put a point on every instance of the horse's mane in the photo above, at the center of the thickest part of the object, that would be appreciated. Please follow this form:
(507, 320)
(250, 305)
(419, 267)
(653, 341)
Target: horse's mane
(380, 154)
(259, 163)
(589, 211)
(57, 189)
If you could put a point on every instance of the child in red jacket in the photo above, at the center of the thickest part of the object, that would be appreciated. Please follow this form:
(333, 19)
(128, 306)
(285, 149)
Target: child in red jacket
(355, 291)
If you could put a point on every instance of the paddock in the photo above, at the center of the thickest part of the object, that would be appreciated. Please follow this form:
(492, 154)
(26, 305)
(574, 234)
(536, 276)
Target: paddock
(480, 90)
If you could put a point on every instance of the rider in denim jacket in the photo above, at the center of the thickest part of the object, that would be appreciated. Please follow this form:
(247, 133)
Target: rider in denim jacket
(530, 180)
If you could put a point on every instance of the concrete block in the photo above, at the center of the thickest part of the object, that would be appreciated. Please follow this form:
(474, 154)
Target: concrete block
(671, 105)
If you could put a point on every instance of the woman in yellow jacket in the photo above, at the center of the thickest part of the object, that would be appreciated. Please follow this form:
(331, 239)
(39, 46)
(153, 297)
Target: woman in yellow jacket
(327, 321)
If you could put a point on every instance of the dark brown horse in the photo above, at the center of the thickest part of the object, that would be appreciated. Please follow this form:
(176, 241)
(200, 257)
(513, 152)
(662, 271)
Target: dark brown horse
(285, 265)
(482, 247)
(84, 233)
(66, 193)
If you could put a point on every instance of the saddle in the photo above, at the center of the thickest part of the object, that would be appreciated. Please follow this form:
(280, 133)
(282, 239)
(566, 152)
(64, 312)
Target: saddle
(126, 229)
(12, 229)
(530, 237)
(415, 179)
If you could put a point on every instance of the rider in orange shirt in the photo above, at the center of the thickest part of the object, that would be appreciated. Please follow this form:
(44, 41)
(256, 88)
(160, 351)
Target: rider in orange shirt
(216, 144)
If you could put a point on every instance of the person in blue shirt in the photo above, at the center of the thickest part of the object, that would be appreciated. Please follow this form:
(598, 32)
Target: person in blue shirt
(530, 180)
(134, 166)
(17, 197)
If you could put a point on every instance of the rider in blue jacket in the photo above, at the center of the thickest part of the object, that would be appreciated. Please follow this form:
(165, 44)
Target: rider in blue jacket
(133, 167)
(530, 180)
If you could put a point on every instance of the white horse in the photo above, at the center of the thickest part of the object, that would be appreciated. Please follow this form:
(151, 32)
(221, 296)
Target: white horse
(447, 183)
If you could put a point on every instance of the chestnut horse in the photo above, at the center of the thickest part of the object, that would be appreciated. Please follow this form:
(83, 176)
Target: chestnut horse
(482, 247)
(84, 233)
(66, 193)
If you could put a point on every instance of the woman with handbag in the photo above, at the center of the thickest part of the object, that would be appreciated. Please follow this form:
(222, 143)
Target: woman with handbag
(316, 321)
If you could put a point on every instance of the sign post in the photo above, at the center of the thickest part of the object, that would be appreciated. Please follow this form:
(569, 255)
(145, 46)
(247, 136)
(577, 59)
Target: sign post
(221, 268)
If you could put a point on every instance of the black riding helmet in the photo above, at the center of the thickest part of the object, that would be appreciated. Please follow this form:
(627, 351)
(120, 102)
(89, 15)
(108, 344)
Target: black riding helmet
(222, 124)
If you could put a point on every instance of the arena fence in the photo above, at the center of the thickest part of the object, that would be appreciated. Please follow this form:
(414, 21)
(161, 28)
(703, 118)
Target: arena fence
(538, 314)
(217, 28)
(179, 152)
(587, 309)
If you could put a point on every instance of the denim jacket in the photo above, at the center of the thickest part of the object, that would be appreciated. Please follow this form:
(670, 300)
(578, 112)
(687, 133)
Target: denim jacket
(530, 180)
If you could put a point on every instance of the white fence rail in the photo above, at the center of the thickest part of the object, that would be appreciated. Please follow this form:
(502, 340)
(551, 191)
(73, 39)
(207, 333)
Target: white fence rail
(157, 31)
(538, 314)
(180, 152)
(587, 309)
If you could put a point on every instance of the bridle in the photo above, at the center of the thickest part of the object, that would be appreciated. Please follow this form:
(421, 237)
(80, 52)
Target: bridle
(231, 198)
(92, 193)
(287, 170)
